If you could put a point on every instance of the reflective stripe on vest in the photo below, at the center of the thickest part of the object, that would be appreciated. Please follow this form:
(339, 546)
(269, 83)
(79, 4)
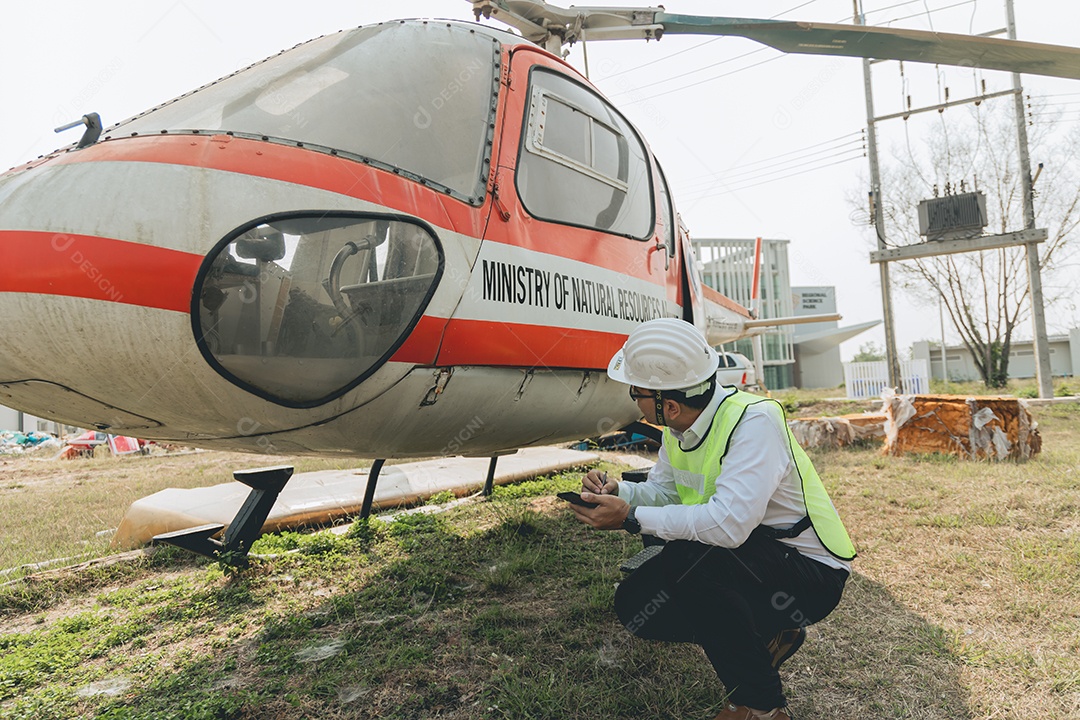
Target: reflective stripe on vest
(697, 470)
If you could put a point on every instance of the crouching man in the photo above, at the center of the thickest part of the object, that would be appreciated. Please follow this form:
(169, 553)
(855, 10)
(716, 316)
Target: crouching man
(755, 549)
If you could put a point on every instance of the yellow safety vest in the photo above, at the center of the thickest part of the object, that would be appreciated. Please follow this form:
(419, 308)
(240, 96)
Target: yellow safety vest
(696, 472)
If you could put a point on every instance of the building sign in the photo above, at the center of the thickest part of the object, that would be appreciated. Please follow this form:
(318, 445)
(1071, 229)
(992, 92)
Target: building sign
(814, 300)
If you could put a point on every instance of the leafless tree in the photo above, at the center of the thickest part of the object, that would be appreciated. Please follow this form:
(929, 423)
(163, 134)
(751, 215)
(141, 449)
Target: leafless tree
(986, 294)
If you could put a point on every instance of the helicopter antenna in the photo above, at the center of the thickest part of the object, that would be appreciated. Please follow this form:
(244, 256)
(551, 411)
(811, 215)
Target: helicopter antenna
(92, 121)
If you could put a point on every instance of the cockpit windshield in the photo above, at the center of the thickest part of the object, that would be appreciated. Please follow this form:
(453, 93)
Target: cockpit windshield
(415, 96)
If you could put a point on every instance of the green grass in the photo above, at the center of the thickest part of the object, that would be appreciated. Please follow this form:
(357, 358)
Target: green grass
(963, 605)
(68, 508)
(496, 607)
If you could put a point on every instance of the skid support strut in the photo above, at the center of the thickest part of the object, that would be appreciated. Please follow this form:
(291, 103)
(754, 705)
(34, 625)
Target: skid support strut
(489, 482)
(369, 493)
(266, 484)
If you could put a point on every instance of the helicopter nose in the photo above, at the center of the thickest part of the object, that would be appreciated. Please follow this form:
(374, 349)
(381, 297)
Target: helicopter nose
(300, 308)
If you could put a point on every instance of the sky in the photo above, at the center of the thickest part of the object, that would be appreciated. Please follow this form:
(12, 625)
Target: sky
(753, 142)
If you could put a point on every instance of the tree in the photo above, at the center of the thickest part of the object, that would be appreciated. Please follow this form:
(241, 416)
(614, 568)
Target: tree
(986, 294)
(869, 352)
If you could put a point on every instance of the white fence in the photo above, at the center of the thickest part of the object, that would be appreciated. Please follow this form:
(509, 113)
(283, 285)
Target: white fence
(868, 379)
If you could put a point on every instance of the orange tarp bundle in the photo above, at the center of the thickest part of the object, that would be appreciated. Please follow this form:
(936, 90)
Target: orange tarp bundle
(974, 428)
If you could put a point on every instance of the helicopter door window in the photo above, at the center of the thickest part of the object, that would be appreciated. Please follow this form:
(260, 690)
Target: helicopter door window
(568, 132)
(606, 152)
(581, 163)
(300, 309)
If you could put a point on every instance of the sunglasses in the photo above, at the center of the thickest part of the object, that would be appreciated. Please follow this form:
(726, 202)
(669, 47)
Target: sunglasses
(641, 395)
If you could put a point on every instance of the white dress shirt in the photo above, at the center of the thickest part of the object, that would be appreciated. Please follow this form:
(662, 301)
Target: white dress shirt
(758, 485)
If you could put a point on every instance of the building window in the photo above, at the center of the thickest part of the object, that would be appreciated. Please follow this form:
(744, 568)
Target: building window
(580, 162)
(299, 309)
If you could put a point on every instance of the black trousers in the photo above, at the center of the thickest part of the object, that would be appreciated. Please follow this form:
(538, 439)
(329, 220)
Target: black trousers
(731, 602)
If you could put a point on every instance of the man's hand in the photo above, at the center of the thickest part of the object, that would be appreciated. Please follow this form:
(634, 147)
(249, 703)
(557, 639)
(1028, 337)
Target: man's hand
(608, 515)
(598, 482)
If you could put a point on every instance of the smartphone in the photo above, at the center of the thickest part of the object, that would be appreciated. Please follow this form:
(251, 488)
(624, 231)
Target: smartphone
(575, 499)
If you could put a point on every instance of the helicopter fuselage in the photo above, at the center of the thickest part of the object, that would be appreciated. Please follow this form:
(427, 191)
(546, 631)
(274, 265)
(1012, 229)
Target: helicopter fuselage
(410, 239)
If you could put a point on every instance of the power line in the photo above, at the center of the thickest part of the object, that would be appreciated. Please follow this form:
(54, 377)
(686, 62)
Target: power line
(690, 72)
(662, 59)
(761, 173)
(928, 12)
(740, 188)
(701, 44)
(890, 7)
(715, 77)
(765, 172)
(853, 136)
(794, 162)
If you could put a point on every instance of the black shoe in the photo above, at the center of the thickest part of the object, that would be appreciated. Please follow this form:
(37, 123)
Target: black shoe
(785, 644)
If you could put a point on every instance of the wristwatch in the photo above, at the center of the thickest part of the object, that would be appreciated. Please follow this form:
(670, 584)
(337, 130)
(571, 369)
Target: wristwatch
(631, 524)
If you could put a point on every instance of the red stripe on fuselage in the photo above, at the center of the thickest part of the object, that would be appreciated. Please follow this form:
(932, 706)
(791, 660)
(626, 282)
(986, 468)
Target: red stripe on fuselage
(300, 166)
(96, 268)
(119, 271)
(422, 345)
(483, 342)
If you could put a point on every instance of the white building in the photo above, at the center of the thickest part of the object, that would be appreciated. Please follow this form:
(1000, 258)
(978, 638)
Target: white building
(806, 356)
(960, 366)
(817, 345)
(17, 421)
(727, 266)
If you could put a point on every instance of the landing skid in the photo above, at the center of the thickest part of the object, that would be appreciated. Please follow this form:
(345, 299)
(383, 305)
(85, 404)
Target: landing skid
(266, 484)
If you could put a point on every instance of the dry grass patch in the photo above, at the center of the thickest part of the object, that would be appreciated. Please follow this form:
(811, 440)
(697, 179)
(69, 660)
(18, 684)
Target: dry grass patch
(988, 554)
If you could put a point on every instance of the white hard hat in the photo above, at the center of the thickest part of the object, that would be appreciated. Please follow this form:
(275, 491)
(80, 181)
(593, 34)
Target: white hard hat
(664, 354)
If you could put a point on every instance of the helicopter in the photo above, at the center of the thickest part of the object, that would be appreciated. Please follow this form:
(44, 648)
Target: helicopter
(368, 242)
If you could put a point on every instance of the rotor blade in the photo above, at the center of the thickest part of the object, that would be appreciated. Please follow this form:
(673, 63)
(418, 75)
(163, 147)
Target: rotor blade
(888, 43)
(790, 320)
(542, 22)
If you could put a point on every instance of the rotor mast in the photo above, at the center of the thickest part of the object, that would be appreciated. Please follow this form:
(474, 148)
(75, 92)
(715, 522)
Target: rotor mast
(552, 27)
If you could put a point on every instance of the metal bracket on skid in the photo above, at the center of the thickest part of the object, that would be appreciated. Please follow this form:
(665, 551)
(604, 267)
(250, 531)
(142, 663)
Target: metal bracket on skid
(553, 27)
(266, 484)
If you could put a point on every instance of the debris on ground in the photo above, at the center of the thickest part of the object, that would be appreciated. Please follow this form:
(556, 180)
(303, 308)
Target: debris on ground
(839, 431)
(14, 443)
(85, 444)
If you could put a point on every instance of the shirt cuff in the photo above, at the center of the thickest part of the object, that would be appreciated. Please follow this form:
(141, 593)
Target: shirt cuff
(649, 518)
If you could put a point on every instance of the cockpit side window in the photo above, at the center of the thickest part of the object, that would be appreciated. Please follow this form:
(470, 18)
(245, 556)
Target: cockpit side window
(580, 162)
(415, 97)
(300, 308)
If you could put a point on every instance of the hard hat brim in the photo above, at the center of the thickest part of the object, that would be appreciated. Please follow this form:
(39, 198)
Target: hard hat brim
(616, 368)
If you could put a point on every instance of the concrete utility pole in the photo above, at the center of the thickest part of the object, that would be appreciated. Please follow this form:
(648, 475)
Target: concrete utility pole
(1038, 317)
(891, 358)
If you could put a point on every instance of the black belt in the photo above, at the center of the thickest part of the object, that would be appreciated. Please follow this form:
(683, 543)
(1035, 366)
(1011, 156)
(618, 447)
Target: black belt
(774, 533)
